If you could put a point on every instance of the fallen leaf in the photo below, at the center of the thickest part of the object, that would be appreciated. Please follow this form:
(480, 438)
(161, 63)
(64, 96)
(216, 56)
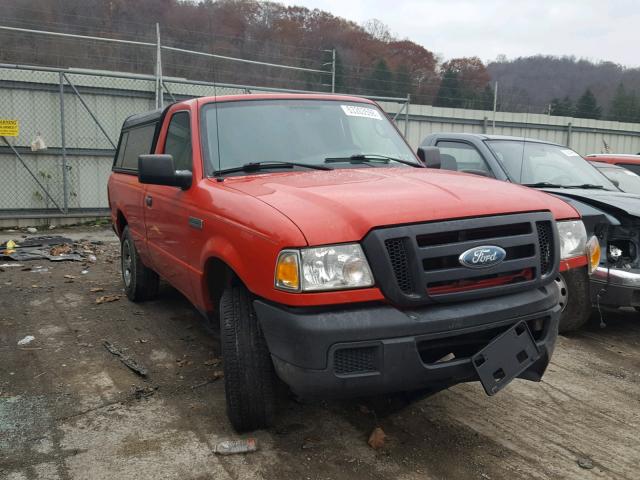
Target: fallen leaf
(69, 276)
(107, 299)
(60, 250)
(376, 439)
(96, 289)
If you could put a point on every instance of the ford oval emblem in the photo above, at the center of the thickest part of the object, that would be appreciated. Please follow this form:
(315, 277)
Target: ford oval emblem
(482, 257)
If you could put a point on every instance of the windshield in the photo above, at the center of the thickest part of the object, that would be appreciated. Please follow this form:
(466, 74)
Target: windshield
(626, 180)
(301, 131)
(539, 163)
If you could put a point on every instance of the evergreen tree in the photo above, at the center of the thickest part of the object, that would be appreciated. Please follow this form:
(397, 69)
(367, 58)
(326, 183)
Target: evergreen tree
(403, 81)
(587, 106)
(562, 108)
(449, 91)
(381, 80)
(624, 106)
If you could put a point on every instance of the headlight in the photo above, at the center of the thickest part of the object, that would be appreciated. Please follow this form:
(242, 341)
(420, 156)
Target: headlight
(333, 267)
(573, 239)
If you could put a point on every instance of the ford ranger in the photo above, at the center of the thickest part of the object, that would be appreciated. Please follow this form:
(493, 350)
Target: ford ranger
(333, 260)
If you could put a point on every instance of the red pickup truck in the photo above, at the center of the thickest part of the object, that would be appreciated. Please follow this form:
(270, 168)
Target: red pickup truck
(331, 258)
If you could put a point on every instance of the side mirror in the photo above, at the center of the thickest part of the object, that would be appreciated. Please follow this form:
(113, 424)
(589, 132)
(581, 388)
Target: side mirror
(159, 170)
(430, 156)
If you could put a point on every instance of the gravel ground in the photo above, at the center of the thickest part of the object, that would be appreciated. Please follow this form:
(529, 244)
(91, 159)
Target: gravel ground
(69, 409)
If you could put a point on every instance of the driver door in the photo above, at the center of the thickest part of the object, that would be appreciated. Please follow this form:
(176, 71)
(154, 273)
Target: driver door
(167, 208)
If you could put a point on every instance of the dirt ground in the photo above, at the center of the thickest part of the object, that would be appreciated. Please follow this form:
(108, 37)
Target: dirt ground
(69, 409)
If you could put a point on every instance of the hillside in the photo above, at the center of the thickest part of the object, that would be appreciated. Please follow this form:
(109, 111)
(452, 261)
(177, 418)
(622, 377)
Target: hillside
(369, 60)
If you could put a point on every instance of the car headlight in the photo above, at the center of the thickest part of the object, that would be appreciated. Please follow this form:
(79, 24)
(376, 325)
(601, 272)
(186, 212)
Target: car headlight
(332, 267)
(573, 239)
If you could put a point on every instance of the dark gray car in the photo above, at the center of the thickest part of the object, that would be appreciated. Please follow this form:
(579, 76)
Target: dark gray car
(610, 214)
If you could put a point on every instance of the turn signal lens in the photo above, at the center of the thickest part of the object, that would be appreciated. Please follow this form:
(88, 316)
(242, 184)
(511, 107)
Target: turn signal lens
(288, 270)
(593, 253)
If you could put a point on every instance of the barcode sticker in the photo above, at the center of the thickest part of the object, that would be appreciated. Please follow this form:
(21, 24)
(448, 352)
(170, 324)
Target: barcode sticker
(366, 112)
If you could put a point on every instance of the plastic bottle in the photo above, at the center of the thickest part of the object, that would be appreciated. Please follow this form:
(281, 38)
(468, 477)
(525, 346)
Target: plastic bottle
(229, 447)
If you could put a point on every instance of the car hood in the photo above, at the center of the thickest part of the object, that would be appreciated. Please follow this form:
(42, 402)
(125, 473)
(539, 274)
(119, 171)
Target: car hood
(613, 203)
(342, 205)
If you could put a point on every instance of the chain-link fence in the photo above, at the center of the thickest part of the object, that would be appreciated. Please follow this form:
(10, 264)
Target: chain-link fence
(70, 121)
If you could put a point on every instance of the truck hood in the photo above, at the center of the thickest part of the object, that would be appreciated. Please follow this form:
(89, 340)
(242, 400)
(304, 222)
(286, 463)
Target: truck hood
(342, 205)
(612, 203)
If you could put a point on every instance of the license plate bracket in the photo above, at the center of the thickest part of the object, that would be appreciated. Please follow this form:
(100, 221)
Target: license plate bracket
(505, 357)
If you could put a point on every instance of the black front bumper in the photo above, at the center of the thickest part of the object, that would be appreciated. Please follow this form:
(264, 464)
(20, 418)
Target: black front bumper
(376, 349)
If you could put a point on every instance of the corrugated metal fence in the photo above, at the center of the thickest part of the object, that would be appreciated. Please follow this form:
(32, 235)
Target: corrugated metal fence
(582, 135)
(78, 114)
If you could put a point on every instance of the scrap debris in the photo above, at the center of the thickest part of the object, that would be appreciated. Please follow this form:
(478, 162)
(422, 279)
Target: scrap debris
(26, 340)
(584, 462)
(140, 392)
(126, 359)
(53, 248)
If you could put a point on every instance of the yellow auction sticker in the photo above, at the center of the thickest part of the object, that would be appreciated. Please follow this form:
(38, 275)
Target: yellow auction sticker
(9, 128)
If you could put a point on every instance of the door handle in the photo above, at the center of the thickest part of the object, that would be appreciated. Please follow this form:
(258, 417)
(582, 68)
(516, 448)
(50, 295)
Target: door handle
(148, 200)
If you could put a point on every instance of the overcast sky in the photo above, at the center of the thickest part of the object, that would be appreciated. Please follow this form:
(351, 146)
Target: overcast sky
(593, 29)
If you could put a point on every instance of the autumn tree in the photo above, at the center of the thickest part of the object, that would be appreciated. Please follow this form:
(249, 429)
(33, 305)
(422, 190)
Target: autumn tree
(468, 89)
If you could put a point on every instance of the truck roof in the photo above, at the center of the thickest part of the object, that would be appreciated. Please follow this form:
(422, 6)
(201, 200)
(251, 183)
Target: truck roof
(142, 118)
(156, 115)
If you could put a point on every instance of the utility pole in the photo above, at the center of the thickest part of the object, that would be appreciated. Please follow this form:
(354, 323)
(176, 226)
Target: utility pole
(333, 69)
(495, 107)
(159, 83)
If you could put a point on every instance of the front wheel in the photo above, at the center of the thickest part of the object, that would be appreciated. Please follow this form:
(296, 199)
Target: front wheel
(250, 379)
(575, 299)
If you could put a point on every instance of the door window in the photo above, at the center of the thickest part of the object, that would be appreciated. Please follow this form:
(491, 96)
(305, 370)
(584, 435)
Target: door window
(178, 142)
(463, 158)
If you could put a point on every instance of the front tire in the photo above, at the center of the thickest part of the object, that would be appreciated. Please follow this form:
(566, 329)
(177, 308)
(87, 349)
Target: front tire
(140, 282)
(250, 380)
(575, 299)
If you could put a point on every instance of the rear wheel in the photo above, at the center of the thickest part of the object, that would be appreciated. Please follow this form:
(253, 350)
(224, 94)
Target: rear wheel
(140, 282)
(250, 380)
(575, 299)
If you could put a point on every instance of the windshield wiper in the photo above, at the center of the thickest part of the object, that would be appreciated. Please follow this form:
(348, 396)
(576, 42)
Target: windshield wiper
(371, 158)
(256, 166)
(542, 185)
(589, 186)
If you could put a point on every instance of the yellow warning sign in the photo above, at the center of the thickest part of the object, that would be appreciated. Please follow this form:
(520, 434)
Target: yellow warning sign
(9, 128)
